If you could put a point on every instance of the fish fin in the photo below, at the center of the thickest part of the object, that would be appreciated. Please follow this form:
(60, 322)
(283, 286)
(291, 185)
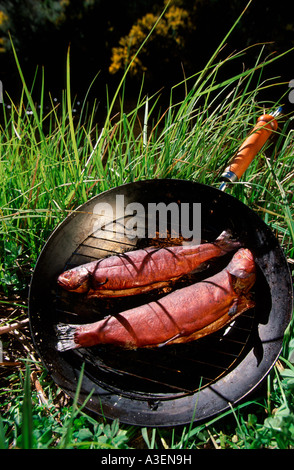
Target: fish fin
(102, 283)
(108, 293)
(169, 340)
(65, 336)
(233, 309)
(203, 266)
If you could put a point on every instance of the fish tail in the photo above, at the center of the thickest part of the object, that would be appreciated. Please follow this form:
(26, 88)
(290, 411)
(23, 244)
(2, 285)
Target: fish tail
(65, 336)
(226, 242)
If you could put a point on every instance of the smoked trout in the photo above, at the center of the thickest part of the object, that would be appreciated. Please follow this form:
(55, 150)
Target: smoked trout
(183, 315)
(142, 270)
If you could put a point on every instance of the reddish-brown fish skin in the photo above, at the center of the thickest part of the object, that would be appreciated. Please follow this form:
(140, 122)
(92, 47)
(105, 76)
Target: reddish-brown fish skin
(142, 270)
(181, 316)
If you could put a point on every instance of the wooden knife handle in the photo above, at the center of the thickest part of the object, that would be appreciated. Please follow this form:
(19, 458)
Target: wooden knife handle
(266, 124)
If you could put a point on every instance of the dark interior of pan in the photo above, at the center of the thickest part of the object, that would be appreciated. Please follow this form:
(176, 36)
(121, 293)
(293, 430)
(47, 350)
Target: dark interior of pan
(173, 384)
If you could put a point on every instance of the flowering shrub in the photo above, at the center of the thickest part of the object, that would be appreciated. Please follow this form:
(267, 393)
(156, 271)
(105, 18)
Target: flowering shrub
(3, 20)
(169, 33)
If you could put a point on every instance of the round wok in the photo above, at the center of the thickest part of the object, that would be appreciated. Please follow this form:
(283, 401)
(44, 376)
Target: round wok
(167, 386)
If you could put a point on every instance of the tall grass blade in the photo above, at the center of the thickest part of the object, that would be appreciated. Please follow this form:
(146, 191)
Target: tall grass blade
(123, 80)
(28, 94)
(221, 45)
(70, 115)
(151, 444)
(66, 439)
(3, 443)
(27, 416)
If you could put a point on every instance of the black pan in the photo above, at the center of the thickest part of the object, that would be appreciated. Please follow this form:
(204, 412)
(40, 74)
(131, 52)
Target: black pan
(175, 384)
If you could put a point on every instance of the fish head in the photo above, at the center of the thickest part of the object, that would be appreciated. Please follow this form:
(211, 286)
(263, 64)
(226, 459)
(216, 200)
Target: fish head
(243, 268)
(75, 280)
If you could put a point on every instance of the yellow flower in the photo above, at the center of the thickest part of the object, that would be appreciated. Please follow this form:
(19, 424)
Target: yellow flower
(3, 17)
(3, 20)
(169, 27)
(2, 47)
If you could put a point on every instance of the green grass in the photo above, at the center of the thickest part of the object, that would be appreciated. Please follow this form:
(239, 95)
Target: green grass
(51, 161)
